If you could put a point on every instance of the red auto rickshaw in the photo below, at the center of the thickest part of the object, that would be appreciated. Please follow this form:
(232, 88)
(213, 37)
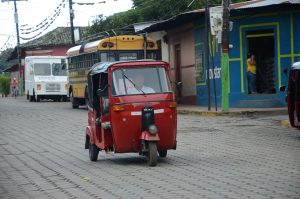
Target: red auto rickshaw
(131, 108)
(293, 95)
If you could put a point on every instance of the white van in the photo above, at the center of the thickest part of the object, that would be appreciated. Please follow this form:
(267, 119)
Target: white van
(46, 78)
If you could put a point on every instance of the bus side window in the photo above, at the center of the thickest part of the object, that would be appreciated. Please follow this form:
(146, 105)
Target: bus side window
(103, 57)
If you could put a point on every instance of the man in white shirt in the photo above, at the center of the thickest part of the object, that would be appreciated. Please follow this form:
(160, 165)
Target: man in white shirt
(139, 87)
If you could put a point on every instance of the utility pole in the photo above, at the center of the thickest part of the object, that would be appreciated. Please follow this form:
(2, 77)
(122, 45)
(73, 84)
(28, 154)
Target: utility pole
(225, 55)
(71, 21)
(207, 53)
(18, 43)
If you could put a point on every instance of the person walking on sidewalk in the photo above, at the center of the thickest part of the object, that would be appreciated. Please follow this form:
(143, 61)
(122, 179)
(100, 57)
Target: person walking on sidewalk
(15, 89)
(251, 73)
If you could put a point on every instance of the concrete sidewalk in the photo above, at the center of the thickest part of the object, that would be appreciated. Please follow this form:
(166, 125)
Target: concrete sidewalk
(201, 110)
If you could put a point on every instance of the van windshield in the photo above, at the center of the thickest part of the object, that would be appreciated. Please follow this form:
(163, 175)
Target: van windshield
(42, 69)
(135, 81)
(57, 70)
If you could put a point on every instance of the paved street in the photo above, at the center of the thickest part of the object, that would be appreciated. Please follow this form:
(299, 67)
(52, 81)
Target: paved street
(42, 155)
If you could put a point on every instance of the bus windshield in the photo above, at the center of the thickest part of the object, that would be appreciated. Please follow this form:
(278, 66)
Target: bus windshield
(57, 70)
(135, 81)
(42, 69)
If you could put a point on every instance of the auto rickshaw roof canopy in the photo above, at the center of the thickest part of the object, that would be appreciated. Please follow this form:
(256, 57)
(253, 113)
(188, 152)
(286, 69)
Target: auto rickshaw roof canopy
(102, 67)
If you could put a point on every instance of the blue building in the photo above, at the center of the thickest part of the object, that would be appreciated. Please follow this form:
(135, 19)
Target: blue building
(268, 29)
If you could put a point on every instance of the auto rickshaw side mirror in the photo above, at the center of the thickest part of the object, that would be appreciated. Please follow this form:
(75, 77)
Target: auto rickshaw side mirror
(102, 92)
(282, 88)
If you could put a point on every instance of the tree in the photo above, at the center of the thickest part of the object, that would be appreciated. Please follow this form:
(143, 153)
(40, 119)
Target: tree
(4, 85)
(147, 10)
(3, 57)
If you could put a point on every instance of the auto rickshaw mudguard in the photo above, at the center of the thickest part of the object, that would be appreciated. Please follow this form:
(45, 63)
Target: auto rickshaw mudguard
(146, 136)
(89, 132)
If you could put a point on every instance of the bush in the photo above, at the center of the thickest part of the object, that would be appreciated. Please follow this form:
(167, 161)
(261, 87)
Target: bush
(4, 85)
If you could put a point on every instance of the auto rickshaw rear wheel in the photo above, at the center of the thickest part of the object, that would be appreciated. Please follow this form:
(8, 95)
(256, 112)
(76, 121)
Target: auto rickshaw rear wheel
(93, 152)
(152, 154)
(162, 153)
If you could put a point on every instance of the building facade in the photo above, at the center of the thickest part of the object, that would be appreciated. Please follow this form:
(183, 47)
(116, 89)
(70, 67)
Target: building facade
(271, 34)
(268, 29)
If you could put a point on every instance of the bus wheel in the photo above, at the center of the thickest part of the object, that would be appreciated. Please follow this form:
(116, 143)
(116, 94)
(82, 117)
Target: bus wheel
(73, 101)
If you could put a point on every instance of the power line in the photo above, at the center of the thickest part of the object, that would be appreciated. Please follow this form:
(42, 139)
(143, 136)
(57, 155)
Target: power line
(5, 44)
(57, 10)
(87, 4)
(44, 25)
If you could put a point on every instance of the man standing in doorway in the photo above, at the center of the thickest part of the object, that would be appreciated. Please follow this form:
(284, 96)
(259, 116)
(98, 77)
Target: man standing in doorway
(251, 73)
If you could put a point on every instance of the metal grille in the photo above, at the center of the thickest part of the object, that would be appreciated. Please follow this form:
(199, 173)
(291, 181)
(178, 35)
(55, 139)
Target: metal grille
(52, 87)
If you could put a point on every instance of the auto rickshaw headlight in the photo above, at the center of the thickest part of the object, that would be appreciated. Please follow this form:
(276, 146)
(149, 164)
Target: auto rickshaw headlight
(152, 129)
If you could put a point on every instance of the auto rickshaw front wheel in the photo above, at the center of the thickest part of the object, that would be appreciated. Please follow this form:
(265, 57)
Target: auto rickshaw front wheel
(93, 152)
(152, 154)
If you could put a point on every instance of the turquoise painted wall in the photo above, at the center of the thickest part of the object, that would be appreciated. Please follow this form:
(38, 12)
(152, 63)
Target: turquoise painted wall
(286, 33)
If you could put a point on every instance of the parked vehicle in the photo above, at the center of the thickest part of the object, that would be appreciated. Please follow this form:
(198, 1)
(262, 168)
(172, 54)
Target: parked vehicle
(131, 108)
(46, 78)
(293, 95)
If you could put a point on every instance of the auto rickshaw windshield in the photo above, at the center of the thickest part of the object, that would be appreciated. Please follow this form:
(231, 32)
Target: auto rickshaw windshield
(133, 81)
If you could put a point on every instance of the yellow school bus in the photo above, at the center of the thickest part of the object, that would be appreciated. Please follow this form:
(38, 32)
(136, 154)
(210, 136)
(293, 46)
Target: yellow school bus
(117, 48)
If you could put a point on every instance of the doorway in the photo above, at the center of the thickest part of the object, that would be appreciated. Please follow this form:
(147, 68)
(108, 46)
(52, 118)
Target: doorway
(261, 44)
(178, 71)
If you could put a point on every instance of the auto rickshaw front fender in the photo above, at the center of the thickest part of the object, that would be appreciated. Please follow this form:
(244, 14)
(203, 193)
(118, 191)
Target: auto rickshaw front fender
(89, 132)
(148, 137)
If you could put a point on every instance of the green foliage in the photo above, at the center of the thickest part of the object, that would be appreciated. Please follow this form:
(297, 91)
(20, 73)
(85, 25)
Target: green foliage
(148, 10)
(4, 85)
(3, 57)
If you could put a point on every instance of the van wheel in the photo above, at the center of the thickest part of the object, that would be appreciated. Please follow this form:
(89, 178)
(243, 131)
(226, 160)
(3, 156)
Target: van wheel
(33, 96)
(152, 154)
(73, 101)
(64, 99)
(93, 152)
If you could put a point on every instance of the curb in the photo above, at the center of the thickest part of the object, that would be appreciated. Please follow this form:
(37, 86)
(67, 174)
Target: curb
(233, 113)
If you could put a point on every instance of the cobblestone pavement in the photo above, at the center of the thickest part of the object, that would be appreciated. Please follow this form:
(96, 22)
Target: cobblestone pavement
(42, 156)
